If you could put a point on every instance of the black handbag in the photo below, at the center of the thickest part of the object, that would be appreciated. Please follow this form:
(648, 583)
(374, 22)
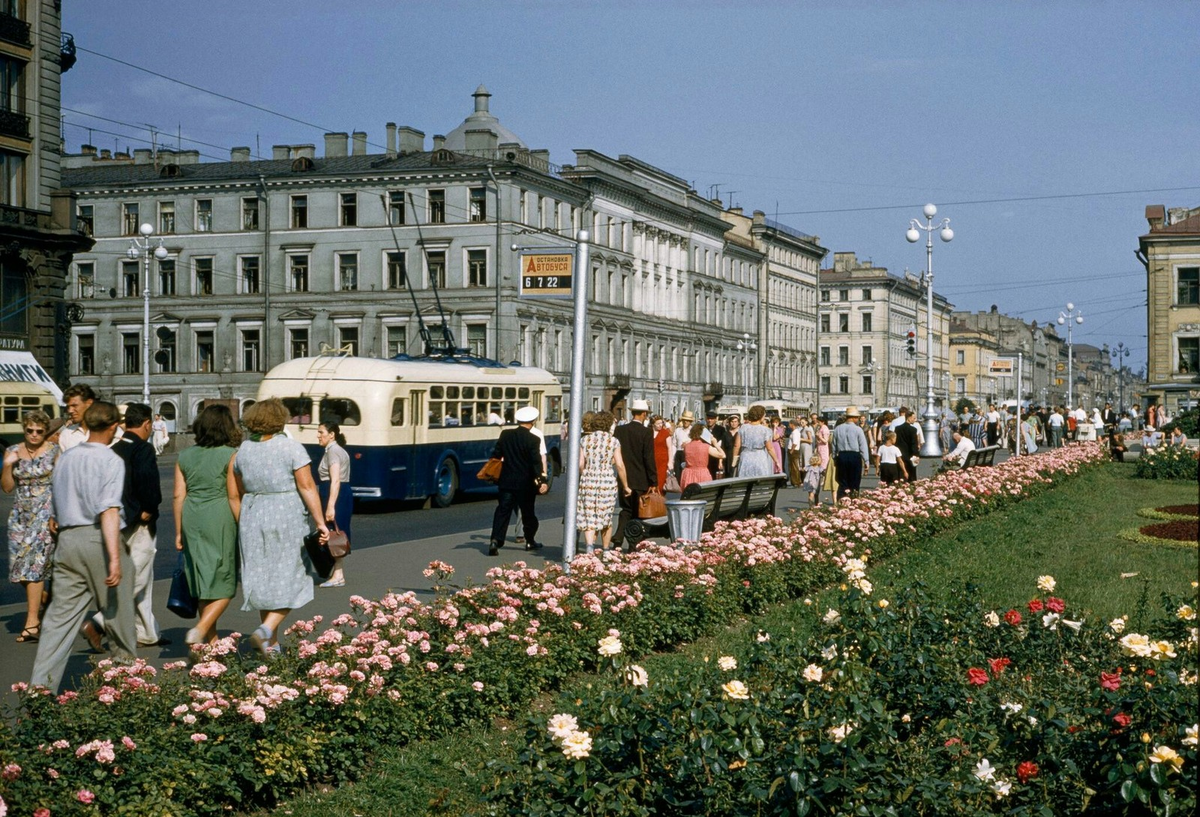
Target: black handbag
(318, 554)
(180, 600)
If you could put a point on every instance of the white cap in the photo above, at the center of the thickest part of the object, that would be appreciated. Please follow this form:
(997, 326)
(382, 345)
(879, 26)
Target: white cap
(527, 414)
(639, 405)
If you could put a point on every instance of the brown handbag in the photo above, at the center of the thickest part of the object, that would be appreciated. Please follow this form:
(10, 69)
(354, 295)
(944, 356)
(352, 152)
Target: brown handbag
(651, 505)
(338, 542)
(490, 472)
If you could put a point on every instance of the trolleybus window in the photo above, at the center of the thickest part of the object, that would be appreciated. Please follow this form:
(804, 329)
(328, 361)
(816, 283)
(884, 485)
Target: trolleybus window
(553, 409)
(340, 410)
(300, 409)
(397, 412)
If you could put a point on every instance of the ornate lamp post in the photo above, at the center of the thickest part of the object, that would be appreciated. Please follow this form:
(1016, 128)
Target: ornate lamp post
(747, 346)
(931, 447)
(1118, 354)
(144, 247)
(1070, 318)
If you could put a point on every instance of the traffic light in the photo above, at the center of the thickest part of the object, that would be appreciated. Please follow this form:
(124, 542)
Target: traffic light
(910, 341)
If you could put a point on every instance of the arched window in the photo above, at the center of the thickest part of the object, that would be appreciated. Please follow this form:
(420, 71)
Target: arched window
(167, 409)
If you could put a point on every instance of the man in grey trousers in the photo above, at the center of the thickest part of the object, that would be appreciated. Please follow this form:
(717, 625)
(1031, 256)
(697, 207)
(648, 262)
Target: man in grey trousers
(92, 569)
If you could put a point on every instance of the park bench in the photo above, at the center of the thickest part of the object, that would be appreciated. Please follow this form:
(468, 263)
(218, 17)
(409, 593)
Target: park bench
(725, 500)
(985, 456)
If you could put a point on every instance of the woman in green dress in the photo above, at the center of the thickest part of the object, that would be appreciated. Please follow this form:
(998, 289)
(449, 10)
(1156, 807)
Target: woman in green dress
(205, 529)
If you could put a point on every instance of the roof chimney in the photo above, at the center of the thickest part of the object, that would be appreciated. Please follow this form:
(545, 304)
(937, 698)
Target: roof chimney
(304, 151)
(141, 156)
(360, 143)
(105, 153)
(1156, 214)
(411, 140)
(481, 99)
(391, 138)
(87, 150)
(280, 152)
(480, 140)
(335, 144)
(439, 141)
(239, 154)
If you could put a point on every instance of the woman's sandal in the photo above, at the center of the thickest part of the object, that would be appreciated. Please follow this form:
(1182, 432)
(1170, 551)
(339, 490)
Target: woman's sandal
(30, 635)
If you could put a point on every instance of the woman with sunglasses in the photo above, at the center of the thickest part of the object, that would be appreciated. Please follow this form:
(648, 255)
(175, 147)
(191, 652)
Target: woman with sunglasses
(28, 467)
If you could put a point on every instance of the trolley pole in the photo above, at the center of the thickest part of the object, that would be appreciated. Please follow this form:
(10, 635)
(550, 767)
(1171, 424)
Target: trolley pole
(579, 347)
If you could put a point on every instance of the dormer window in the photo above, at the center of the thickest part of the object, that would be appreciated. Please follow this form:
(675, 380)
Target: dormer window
(303, 164)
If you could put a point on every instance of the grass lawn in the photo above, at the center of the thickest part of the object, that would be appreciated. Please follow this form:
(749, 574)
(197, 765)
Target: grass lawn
(1069, 533)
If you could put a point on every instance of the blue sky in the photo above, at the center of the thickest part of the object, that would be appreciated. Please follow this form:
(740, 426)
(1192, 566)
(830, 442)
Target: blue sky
(842, 118)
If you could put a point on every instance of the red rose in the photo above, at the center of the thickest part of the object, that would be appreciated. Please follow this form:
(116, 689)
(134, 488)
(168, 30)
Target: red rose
(998, 665)
(1012, 617)
(977, 677)
(1122, 720)
(1027, 771)
(1035, 606)
(1055, 605)
(1110, 681)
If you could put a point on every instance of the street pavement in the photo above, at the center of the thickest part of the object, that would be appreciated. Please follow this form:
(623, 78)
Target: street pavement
(391, 546)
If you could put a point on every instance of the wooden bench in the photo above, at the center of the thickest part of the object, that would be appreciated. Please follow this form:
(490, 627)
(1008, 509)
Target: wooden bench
(725, 500)
(985, 456)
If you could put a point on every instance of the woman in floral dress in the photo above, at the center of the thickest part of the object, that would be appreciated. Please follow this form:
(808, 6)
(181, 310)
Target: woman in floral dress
(599, 454)
(753, 448)
(28, 467)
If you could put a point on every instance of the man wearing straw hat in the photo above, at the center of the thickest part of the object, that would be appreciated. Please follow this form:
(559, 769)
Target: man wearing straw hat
(851, 454)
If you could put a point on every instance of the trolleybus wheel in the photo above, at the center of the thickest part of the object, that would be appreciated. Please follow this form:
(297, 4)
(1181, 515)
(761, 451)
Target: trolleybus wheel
(447, 484)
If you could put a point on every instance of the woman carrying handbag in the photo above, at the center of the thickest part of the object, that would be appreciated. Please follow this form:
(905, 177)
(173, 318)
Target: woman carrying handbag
(336, 497)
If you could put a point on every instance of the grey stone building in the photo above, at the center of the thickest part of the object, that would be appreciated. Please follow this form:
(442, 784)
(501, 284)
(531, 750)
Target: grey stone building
(271, 259)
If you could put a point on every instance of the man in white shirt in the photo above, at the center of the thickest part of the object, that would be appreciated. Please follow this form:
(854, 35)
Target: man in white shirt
(79, 399)
(962, 447)
(1056, 423)
(993, 425)
(795, 461)
(680, 438)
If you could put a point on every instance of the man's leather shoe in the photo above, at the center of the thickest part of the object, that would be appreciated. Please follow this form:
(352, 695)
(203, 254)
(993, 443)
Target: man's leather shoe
(493, 548)
(534, 546)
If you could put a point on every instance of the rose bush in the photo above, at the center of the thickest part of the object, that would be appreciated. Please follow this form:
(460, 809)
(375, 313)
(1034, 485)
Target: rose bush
(233, 732)
(1167, 462)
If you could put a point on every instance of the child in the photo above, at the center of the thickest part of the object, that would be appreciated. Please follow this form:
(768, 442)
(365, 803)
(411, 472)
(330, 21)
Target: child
(891, 461)
(812, 481)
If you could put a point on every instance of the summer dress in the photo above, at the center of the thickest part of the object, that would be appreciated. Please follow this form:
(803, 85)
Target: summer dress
(30, 544)
(598, 482)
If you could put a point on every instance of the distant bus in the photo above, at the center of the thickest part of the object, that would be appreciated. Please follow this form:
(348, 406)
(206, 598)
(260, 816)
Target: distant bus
(415, 427)
(784, 409)
(17, 398)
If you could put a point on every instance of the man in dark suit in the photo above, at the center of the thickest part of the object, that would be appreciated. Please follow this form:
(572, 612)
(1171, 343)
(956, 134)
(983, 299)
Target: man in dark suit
(1110, 419)
(637, 450)
(521, 480)
(907, 442)
(723, 439)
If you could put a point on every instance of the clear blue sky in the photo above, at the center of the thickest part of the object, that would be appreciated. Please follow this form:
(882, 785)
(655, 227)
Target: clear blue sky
(842, 118)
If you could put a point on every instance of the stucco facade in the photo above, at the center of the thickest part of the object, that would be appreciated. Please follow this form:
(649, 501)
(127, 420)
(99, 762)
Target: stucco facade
(1170, 252)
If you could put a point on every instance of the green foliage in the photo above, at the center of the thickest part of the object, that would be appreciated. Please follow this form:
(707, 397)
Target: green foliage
(1167, 462)
(1188, 420)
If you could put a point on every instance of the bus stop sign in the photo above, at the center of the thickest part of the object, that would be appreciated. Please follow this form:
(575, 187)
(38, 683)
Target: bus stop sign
(546, 274)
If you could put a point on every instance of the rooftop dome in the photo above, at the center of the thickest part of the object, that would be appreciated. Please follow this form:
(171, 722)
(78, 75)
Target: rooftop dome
(481, 118)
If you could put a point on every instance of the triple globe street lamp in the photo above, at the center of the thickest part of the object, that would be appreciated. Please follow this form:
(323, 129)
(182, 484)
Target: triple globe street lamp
(1070, 318)
(144, 247)
(931, 447)
(1118, 355)
(749, 347)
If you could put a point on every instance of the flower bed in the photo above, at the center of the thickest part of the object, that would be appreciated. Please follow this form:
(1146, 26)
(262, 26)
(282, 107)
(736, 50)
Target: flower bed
(231, 732)
(1167, 462)
(895, 707)
(1171, 512)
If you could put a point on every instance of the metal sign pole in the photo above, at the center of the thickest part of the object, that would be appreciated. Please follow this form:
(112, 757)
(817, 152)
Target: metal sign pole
(578, 361)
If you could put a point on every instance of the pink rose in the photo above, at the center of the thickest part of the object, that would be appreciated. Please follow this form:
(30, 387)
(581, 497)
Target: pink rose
(1055, 605)
(84, 796)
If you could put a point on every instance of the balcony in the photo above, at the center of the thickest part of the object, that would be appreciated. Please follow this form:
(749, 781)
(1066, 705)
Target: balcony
(618, 381)
(715, 388)
(14, 124)
(20, 217)
(14, 30)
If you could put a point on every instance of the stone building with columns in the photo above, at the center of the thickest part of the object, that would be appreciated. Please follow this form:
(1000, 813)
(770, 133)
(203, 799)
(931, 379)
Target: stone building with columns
(281, 257)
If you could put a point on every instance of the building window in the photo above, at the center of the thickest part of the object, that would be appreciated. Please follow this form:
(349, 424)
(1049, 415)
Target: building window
(843, 355)
(824, 385)
(395, 208)
(349, 210)
(437, 206)
(1189, 355)
(868, 355)
(868, 384)
(250, 349)
(477, 339)
(206, 351)
(166, 217)
(166, 276)
(131, 348)
(478, 205)
(299, 212)
(204, 213)
(395, 341)
(347, 263)
(348, 338)
(397, 275)
(825, 359)
(248, 267)
(85, 219)
(960, 357)
(250, 213)
(866, 294)
(825, 295)
(844, 385)
(843, 294)
(868, 322)
(130, 284)
(298, 342)
(298, 273)
(165, 356)
(825, 324)
(12, 179)
(204, 275)
(476, 268)
(129, 218)
(1187, 291)
(844, 322)
(85, 354)
(960, 385)
(85, 279)
(437, 269)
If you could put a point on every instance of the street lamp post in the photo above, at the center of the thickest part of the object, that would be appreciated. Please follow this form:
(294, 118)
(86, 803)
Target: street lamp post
(749, 347)
(931, 447)
(1070, 318)
(144, 247)
(1118, 355)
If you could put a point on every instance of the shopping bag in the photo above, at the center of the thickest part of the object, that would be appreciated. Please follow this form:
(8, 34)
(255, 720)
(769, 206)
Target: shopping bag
(318, 554)
(651, 505)
(180, 600)
(490, 472)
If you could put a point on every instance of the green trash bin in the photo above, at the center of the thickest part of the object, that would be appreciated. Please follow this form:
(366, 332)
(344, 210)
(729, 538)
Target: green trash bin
(685, 519)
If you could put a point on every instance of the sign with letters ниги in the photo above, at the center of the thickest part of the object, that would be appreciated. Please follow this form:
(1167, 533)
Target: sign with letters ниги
(546, 274)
